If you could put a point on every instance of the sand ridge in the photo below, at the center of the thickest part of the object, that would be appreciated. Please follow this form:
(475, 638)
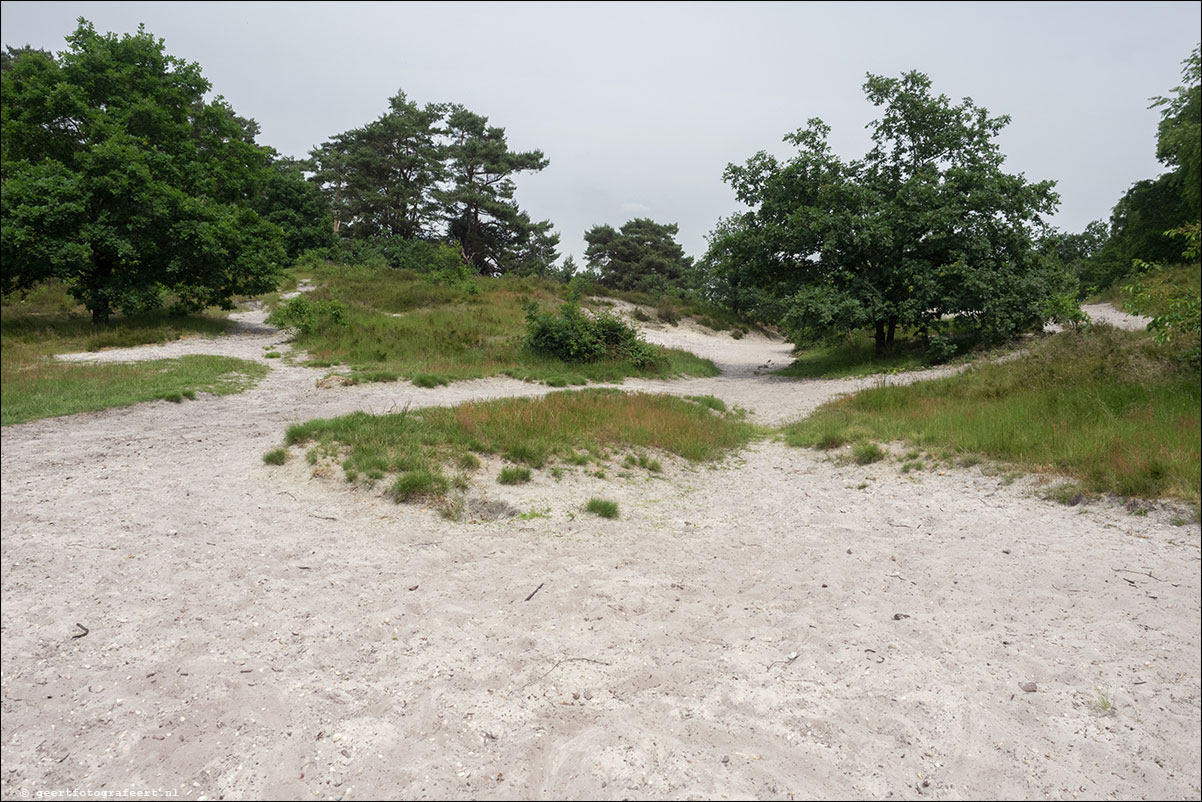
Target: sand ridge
(774, 626)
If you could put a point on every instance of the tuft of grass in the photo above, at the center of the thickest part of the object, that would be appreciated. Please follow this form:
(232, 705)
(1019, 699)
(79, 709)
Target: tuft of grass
(866, 453)
(430, 380)
(602, 507)
(709, 402)
(419, 483)
(567, 426)
(1109, 408)
(276, 456)
(514, 475)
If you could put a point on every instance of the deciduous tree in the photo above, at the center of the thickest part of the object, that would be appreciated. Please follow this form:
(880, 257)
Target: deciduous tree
(121, 181)
(927, 225)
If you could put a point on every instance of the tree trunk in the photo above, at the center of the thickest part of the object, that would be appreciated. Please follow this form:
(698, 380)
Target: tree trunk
(880, 338)
(889, 335)
(100, 312)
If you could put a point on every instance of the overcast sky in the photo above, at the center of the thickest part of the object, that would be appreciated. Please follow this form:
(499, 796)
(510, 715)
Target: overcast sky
(640, 106)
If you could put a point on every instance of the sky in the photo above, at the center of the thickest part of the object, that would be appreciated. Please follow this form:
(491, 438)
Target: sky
(640, 106)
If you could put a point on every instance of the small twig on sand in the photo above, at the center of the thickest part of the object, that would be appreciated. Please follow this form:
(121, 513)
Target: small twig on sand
(561, 662)
(81, 634)
(1140, 573)
(536, 590)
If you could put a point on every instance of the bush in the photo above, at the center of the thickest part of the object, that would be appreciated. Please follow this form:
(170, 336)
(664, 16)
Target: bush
(940, 349)
(668, 314)
(303, 315)
(575, 336)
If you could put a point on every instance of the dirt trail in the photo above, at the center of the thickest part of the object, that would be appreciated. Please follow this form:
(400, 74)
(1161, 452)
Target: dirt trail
(777, 625)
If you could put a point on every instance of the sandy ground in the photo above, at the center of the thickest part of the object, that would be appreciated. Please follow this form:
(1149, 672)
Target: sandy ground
(776, 626)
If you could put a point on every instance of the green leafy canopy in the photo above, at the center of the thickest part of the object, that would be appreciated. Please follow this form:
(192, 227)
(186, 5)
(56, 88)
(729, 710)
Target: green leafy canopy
(121, 181)
(926, 226)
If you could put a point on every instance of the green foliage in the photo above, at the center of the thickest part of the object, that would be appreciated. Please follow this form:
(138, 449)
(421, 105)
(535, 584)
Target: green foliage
(1174, 306)
(1142, 218)
(1110, 408)
(430, 173)
(602, 507)
(303, 315)
(514, 475)
(642, 256)
(926, 225)
(294, 204)
(1179, 137)
(122, 182)
(576, 336)
(276, 456)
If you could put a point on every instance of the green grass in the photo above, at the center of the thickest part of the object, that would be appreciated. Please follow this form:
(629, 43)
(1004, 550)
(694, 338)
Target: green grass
(276, 456)
(855, 356)
(47, 321)
(46, 389)
(866, 453)
(568, 426)
(602, 507)
(514, 475)
(1162, 283)
(1107, 407)
(417, 328)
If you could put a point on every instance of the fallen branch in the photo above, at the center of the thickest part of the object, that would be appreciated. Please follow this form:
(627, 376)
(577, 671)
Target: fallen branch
(1140, 573)
(536, 590)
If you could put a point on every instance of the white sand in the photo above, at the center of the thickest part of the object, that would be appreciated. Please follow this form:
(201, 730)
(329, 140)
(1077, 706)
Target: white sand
(765, 627)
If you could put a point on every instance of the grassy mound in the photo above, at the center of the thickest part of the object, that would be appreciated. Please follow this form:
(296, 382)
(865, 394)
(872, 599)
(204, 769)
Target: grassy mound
(1108, 407)
(398, 323)
(416, 449)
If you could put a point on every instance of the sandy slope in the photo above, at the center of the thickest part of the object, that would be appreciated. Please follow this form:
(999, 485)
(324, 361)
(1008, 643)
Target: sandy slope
(774, 626)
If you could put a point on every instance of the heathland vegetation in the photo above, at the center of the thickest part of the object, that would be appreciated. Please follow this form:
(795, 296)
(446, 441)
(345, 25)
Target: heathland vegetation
(131, 204)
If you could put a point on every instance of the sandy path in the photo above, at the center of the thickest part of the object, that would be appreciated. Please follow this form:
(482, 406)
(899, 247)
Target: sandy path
(259, 632)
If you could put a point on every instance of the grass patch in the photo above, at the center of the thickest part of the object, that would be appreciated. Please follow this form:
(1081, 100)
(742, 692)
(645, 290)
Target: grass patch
(47, 389)
(276, 456)
(709, 402)
(514, 475)
(856, 355)
(1107, 407)
(568, 426)
(46, 321)
(410, 325)
(602, 507)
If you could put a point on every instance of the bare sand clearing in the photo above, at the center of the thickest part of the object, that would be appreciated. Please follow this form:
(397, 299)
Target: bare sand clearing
(776, 626)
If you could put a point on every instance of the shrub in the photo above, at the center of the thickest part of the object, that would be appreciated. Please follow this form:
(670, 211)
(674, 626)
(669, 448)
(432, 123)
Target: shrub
(668, 314)
(940, 349)
(429, 380)
(575, 336)
(303, 315)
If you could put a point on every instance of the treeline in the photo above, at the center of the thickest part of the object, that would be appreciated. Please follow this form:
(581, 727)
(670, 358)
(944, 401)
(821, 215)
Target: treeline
(123, 183)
